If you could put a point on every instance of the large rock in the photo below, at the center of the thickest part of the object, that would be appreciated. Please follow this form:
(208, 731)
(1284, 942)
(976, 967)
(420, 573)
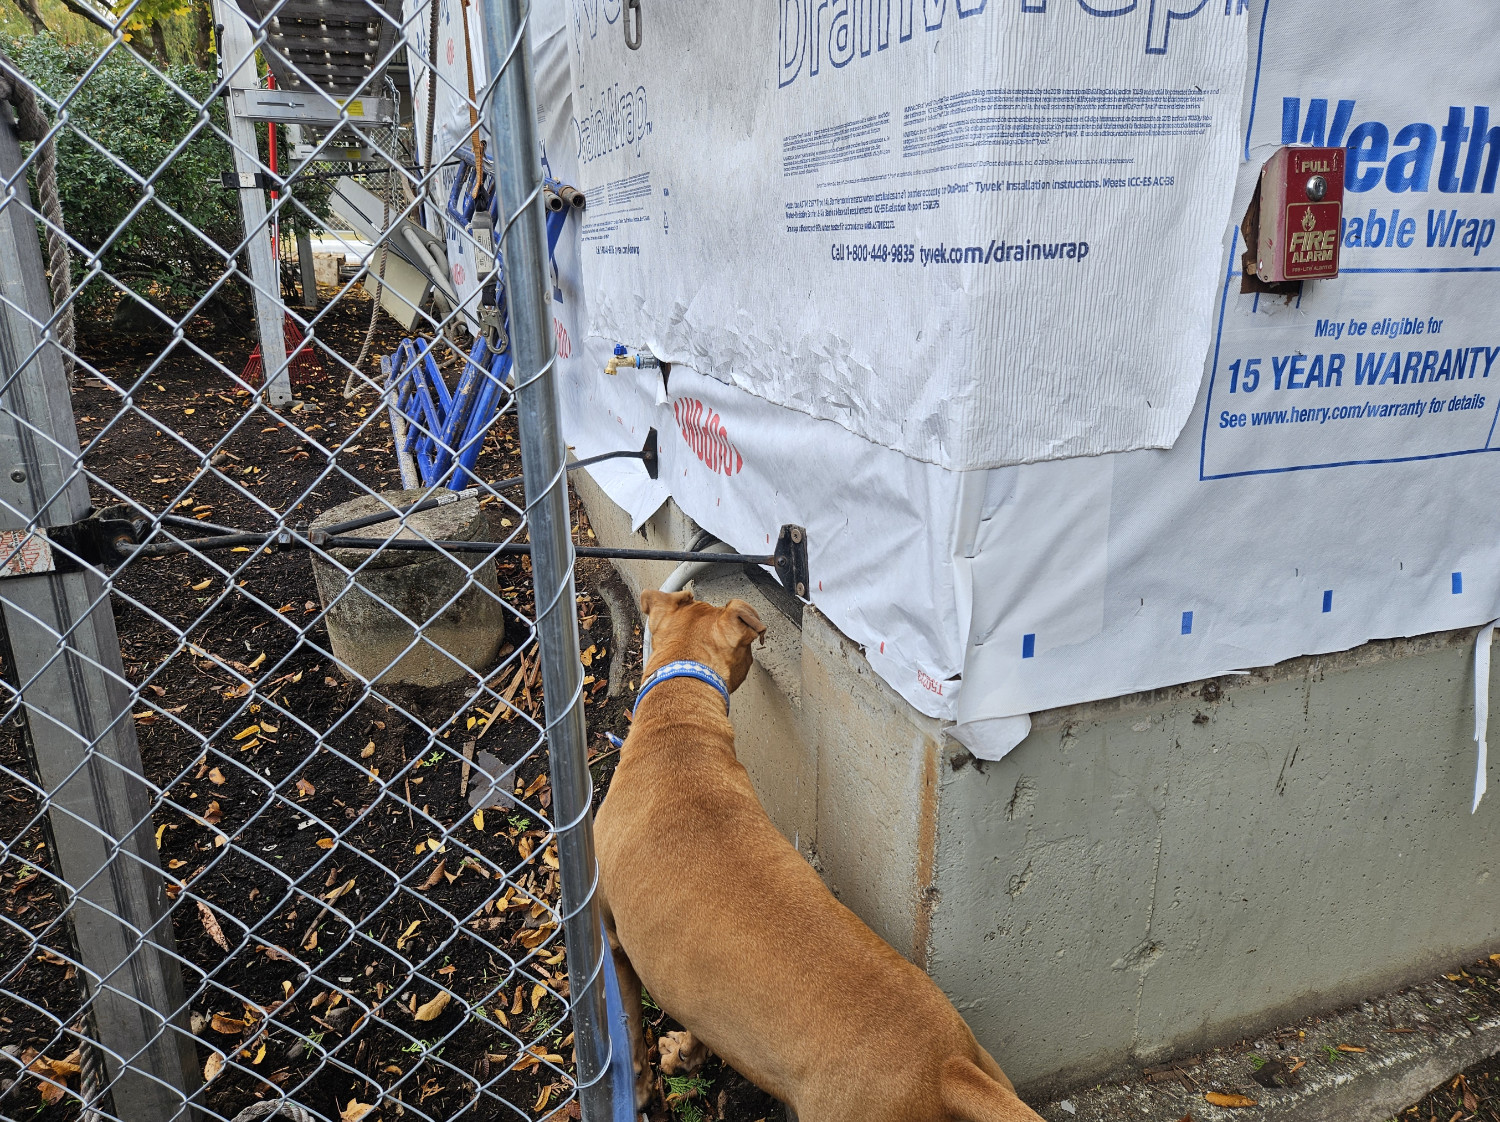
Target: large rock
(417, 616)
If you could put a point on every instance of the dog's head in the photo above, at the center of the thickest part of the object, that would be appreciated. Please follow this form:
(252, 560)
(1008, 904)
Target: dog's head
(684, 628)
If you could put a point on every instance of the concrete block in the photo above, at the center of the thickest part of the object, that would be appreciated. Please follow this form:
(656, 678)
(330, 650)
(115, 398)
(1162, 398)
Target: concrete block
(326, 268)
(416, 616)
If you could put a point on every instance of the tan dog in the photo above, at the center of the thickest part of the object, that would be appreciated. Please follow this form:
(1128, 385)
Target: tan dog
(736, 937)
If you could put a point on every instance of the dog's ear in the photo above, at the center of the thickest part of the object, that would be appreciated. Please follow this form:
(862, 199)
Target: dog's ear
(743, 623)
(655, 604)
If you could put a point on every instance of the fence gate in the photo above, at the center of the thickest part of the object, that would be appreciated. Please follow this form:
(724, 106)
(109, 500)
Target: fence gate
(295, 816)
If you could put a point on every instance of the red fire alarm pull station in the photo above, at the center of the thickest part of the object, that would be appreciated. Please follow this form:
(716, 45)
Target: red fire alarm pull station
(1298, 204)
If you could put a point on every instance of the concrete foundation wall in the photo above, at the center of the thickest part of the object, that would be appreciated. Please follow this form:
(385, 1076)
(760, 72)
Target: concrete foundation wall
(1149, 875)
(1142, 876)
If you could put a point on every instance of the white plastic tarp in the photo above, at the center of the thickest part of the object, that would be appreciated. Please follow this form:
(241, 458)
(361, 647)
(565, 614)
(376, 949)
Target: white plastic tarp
(742, 467)
(1312, 503)
(1332, 485)
(925, 221)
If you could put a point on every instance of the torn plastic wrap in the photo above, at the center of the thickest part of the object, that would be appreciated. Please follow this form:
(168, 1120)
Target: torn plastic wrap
(929, 223)
(1280, 523)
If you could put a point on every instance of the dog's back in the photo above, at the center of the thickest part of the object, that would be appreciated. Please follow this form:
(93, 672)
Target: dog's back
(735, 935)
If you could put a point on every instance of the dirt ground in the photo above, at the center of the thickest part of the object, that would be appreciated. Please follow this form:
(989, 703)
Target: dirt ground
(310, 792)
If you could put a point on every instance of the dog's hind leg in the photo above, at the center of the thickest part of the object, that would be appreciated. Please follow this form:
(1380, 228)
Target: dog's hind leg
(630, 998)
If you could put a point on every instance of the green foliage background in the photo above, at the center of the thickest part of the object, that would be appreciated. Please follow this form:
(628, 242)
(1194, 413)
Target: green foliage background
(124, 112)
(175, 248)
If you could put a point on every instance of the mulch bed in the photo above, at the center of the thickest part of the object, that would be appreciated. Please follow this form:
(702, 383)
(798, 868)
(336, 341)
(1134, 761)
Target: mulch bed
(310, 790)
(1471, 1095)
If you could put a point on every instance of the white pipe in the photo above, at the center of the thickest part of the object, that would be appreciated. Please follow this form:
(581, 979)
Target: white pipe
(410, 479)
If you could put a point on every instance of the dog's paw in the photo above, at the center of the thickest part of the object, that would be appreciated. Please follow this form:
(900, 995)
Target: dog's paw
(682, 1053)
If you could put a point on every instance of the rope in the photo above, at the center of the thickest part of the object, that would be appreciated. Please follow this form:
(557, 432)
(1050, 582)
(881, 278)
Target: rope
(32, 125)
(432, 38)
(59, 260)
(351, 383)
(474, 138)
(91, 1078)
(285, 1107)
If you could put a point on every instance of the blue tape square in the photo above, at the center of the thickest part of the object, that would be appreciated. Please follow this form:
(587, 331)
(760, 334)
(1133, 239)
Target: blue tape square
(1187, 623)
(1458, 584)
(1328, 600)
(1028, 646)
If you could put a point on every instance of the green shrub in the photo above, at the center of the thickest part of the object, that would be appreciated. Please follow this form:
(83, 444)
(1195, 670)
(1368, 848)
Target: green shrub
(175, 248)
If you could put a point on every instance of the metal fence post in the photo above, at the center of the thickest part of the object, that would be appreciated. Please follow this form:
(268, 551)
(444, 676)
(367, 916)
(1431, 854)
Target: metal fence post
(518, 174)
(76, 700)
(237, 53)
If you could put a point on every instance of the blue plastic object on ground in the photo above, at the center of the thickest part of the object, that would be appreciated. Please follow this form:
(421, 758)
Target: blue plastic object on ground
(446, 430)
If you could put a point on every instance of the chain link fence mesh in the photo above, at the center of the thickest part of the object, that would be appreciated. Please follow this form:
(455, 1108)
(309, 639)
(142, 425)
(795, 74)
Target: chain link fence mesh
(278, 834)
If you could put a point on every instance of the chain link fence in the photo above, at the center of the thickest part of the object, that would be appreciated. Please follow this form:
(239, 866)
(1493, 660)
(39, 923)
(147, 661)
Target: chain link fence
(295, 809)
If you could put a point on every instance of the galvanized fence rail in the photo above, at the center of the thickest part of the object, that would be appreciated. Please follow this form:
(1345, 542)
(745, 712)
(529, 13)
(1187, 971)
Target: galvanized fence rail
(289, 827)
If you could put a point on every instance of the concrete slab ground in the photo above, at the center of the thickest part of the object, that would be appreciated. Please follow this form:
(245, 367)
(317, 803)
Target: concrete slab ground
(1410, 1042)
(1143, 877)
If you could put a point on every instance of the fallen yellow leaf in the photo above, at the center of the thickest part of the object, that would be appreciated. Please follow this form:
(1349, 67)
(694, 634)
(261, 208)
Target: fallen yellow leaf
(479, 819)
(216, 777)
(538, 992)
(212, 1066)
(407, 934)
(1219, 1098)
(260, 658)
(325, 843)
(202, 584)
(70, 1065)
(367, 751)
(354, 1111)
(260, 1054)
(433, 1009)
(251, 731)
(230, 1026)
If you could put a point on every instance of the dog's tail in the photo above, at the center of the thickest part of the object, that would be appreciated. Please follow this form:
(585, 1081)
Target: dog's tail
(972, 1096)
